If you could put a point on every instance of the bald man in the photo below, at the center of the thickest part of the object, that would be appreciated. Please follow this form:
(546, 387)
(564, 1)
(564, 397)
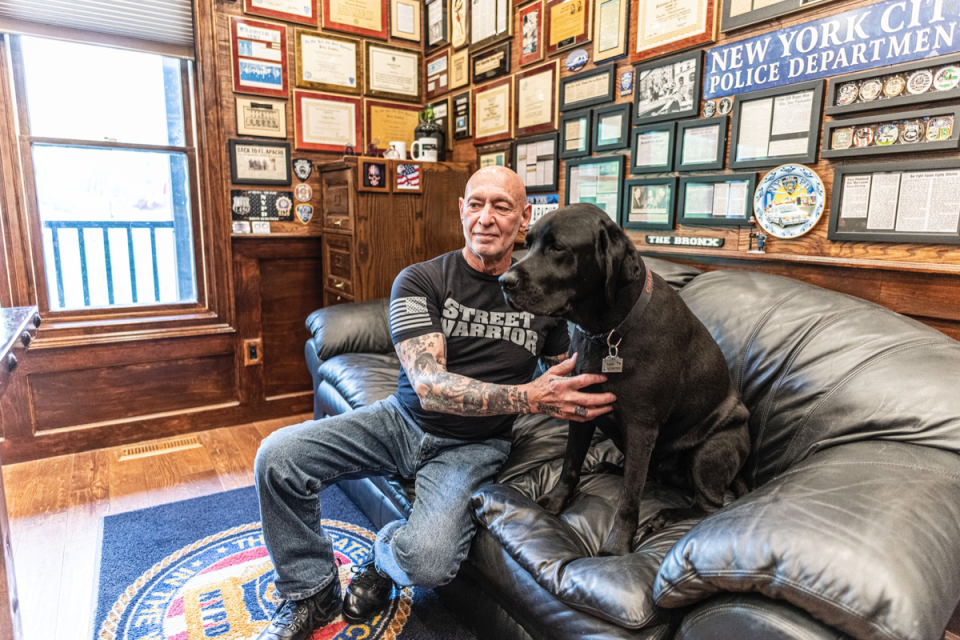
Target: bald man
(468, 360)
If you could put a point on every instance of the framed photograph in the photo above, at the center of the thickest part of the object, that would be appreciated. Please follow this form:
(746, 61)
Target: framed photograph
(536, 105)
(531, 33)
(740, 13)
(392, 73)
(535, 161)
(651, 150)
(361, 17)
(588, 88)
(491, 63)
(407, 176)
(723, 199)
(436, 23)
(301, 11)
(892, 133)
(575, 128)
(260, 117)
(878, 202)
(373, 175)
(597, 181)
(658, 28)
(567, 24)
(461, 116)
(499, 155)
(460, 23)
(490, 22)
(459, 69)
(701, 144)
(259, 162)
(648, 203)
(441, 115)
(259, 57)
(405, 20)
(668, 89)
(784, 126)
(611, 127)
(388, 122)
(326, 122)
(610, 29)
(438, 74)
(326, 62)
(492, 113)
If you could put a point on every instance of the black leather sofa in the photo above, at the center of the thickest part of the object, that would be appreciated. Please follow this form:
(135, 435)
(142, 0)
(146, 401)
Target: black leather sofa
(852, 527)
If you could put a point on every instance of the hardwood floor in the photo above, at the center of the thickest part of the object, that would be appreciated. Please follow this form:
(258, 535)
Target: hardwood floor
(55, 505)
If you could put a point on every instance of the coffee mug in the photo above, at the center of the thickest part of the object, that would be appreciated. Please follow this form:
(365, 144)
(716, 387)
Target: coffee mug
(424, 149)
(401, 148)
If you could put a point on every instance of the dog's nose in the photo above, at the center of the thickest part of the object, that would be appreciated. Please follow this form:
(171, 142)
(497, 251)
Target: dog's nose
(509, 280)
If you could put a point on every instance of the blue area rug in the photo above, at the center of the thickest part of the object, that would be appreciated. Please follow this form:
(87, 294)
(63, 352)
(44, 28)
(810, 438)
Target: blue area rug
(198, 569)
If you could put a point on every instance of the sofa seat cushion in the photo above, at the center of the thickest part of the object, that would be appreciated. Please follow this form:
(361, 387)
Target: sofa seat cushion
(362, 378)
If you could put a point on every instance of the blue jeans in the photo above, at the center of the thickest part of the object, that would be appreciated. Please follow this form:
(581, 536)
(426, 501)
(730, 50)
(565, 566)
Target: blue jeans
(295, 463)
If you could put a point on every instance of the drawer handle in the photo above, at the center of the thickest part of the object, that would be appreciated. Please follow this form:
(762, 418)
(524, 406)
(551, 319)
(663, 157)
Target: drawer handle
(25, 338)
(11, 362)
(337, 223)
(338, 285)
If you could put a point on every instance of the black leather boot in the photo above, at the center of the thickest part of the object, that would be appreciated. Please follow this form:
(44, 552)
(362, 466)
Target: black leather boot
(298, 619)
(367, 594)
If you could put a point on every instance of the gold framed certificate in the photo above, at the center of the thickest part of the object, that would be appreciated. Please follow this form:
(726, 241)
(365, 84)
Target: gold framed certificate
(536, 99)
(405, 19)
(362, 17)
(388, 122)
(302, 11)
(610, 29)
(326, 122)
(662, 27)
(567, 24)
(492, 115)
(390, 72)
(327, 62)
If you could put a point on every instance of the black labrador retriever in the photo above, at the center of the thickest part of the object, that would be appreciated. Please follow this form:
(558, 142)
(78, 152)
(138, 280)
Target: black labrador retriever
(677, 413)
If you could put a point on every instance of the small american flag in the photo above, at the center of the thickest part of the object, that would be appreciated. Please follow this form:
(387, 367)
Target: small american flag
(408, 176)
(408, 313)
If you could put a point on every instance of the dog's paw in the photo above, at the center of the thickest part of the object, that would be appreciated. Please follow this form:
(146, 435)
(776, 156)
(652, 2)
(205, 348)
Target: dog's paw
(553, 501)
(617, 543)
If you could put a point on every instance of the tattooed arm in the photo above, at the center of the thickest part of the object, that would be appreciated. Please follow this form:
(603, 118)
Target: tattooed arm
(424, 358)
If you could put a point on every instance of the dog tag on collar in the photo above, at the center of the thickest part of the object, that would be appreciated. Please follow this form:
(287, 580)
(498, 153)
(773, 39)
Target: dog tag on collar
(612, 364)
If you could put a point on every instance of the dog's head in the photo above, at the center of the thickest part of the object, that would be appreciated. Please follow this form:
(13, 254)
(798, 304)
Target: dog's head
(576, 257)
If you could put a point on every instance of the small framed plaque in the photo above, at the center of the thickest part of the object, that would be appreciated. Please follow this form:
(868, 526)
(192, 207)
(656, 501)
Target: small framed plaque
(611, 127)
(300, 11)
(259, 57)
(492, 63)
(438, 74)
(327, 62)
(492, 111)
(531, 30)
(460, 23)
(495, 155)
(361, 17)
(536, 106)
(259, 162)
(490, 22)
(437, 19)
(652, 148)
(459, 69)
(461, 116)
(441, 115)
(657, 27)
(648, 203)
(575, 128)
(588, 88)
(373, 175)
(598, 181)
(567, 24)
(610, 29)
(388, 122)
(405, 19)
(535, 161)
(326, 122)
(701, 144)
(723, 199)
(408, 176)
(668, 89)
(261, 117)
(392, 72)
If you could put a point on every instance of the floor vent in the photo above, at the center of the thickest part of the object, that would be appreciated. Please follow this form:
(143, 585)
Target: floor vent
(159, 448)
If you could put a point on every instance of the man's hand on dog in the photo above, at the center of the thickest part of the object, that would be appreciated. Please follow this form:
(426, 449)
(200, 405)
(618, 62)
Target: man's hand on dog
(556, 394)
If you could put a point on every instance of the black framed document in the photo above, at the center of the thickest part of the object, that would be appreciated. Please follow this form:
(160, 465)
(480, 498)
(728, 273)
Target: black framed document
(491, 63)
(259, 162)
(723, 199)
(588, 88)
(648, 203)
(740, 13)
(701, 144)
(490, 21)
(668, 88)
(535, 161)
(575, 131)
(597, 181)
(652, 148)
(611, 127)
(776, 126)
(917, 201)
(437, 24)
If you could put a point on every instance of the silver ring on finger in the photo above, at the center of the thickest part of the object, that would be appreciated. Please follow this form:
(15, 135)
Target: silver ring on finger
(581, 411)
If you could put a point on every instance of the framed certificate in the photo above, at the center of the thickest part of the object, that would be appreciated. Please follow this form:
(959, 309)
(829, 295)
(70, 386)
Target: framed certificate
(492, 114)
(723, 199)
(567, 24)
(259, 57)
(652, 148)
(668, 89)
(405, 19)
(701, 144)
(596, 181)
(259, 162)
(392, 73)
(362, 17)
(441, 115)
(492, 63)
(535, 161)
(438, 74)
(588, 88)
(536, 105)
(575, 134)
(437, 20)
(610, 29)
(302, 11)
(531, 33)
(459, 23)
(461, 116)
(740, 13)
(611, 127)
(459, 69)
(326, 122)
(648, 203)
(326, 62)
(388, 122)
(490, 21)
(495, 155)
(260, 117)
(662, 27)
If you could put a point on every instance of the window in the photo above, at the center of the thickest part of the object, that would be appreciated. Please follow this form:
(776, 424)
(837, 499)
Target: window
(106, 135)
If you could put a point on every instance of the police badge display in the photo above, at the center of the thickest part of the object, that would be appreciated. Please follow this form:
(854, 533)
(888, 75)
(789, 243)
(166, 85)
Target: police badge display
(841, 139)
(863, 136)
(302, 168)
(947, 78)
(789, 201)
(912, 132)
(724, 106)
(894, 86)
(262, 205)
(304, 213)
(709, 108)
(887, 134)
(919, 82)
(303, 192)
(870, 89)
(939, 128)
(847, 94)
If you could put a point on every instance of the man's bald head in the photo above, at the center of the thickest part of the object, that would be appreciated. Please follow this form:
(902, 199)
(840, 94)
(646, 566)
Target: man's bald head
(493, 210)
(498, 177)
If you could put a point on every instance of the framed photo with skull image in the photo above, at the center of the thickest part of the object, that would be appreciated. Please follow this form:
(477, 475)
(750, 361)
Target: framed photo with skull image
(374, 175)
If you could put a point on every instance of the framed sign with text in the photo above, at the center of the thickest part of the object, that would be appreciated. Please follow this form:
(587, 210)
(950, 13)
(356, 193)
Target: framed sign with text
(388, 122)
(490, 21)
(259, 162)
(535, 161)
(259, 57)
(776, 126)
(663, 27)
(588, 88)
(567, 24)
(610, 29)
(327, 62)
(722, 199)
(536, 104)
(391, 72)
(493, 111)
(651, 150)
(405, 19)
(701, 144)
(491, 63)
(326, 122)
(437, 19)
(362, 17)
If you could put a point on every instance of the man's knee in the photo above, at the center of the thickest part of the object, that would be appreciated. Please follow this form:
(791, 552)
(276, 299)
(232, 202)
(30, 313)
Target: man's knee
(277, 457)
(429, 563)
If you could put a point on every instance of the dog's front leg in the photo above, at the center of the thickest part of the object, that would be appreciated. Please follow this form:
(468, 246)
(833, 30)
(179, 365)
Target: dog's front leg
(639, 439)
(578, 443)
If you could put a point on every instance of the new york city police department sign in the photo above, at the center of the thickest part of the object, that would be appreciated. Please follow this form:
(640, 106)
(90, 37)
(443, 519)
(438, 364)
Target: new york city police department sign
(873, 36)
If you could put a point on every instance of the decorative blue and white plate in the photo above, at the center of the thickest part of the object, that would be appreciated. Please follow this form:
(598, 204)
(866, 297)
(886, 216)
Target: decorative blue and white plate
(789, 201)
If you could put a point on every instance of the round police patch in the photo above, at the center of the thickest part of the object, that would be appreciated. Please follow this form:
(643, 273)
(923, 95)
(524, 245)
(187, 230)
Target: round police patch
(222, 587)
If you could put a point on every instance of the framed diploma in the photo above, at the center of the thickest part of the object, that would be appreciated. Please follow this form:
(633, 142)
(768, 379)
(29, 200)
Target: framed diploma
(259, 117)
(493, 120)
(495, 155)
(302, 11)
(405, 19)
(459, 23)
(588, 88)
(459, 69)
(436, 19)
(662, 27)
(648, 203)
(531, 33)
(392, 73)
(438, 74)
(723, 199)
(373, 175)
(388, 122)
(567, 24)
(441, 115)
(740, 13)
(362, 17)
(701, 144)
(259, 162)
(535, 161)
(596, 181)
(536, 99)
(668, 89)
(461, 116)
(575, 134)
(610, 29)
(490, 21)
(259, 57)
(652, 148)
(326, 62)
(326, 122)
(492, 63)
(611, 127)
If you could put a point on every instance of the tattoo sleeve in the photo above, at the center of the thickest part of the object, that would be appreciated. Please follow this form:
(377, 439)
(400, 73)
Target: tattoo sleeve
(425, 360)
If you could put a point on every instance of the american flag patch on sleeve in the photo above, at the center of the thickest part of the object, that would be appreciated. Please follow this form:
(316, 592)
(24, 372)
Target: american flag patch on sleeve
(408, 313)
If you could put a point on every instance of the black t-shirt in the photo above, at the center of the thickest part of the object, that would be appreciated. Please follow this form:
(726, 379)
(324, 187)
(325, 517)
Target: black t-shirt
(486, 339)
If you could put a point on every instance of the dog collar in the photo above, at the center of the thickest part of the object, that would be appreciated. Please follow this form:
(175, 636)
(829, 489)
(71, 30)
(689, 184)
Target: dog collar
(637, 310)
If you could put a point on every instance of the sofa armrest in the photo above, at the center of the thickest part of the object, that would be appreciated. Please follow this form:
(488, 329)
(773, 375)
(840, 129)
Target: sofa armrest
(358, 327)
(865, 537)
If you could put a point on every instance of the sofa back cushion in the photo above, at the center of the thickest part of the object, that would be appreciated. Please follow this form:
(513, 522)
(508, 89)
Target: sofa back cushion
(359, 327)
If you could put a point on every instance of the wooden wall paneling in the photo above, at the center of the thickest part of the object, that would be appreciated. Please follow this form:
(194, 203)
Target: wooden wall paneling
(14, 290)
(441, 213)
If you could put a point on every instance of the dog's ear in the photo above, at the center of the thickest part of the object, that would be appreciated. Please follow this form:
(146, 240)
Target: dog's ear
(622, 264)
